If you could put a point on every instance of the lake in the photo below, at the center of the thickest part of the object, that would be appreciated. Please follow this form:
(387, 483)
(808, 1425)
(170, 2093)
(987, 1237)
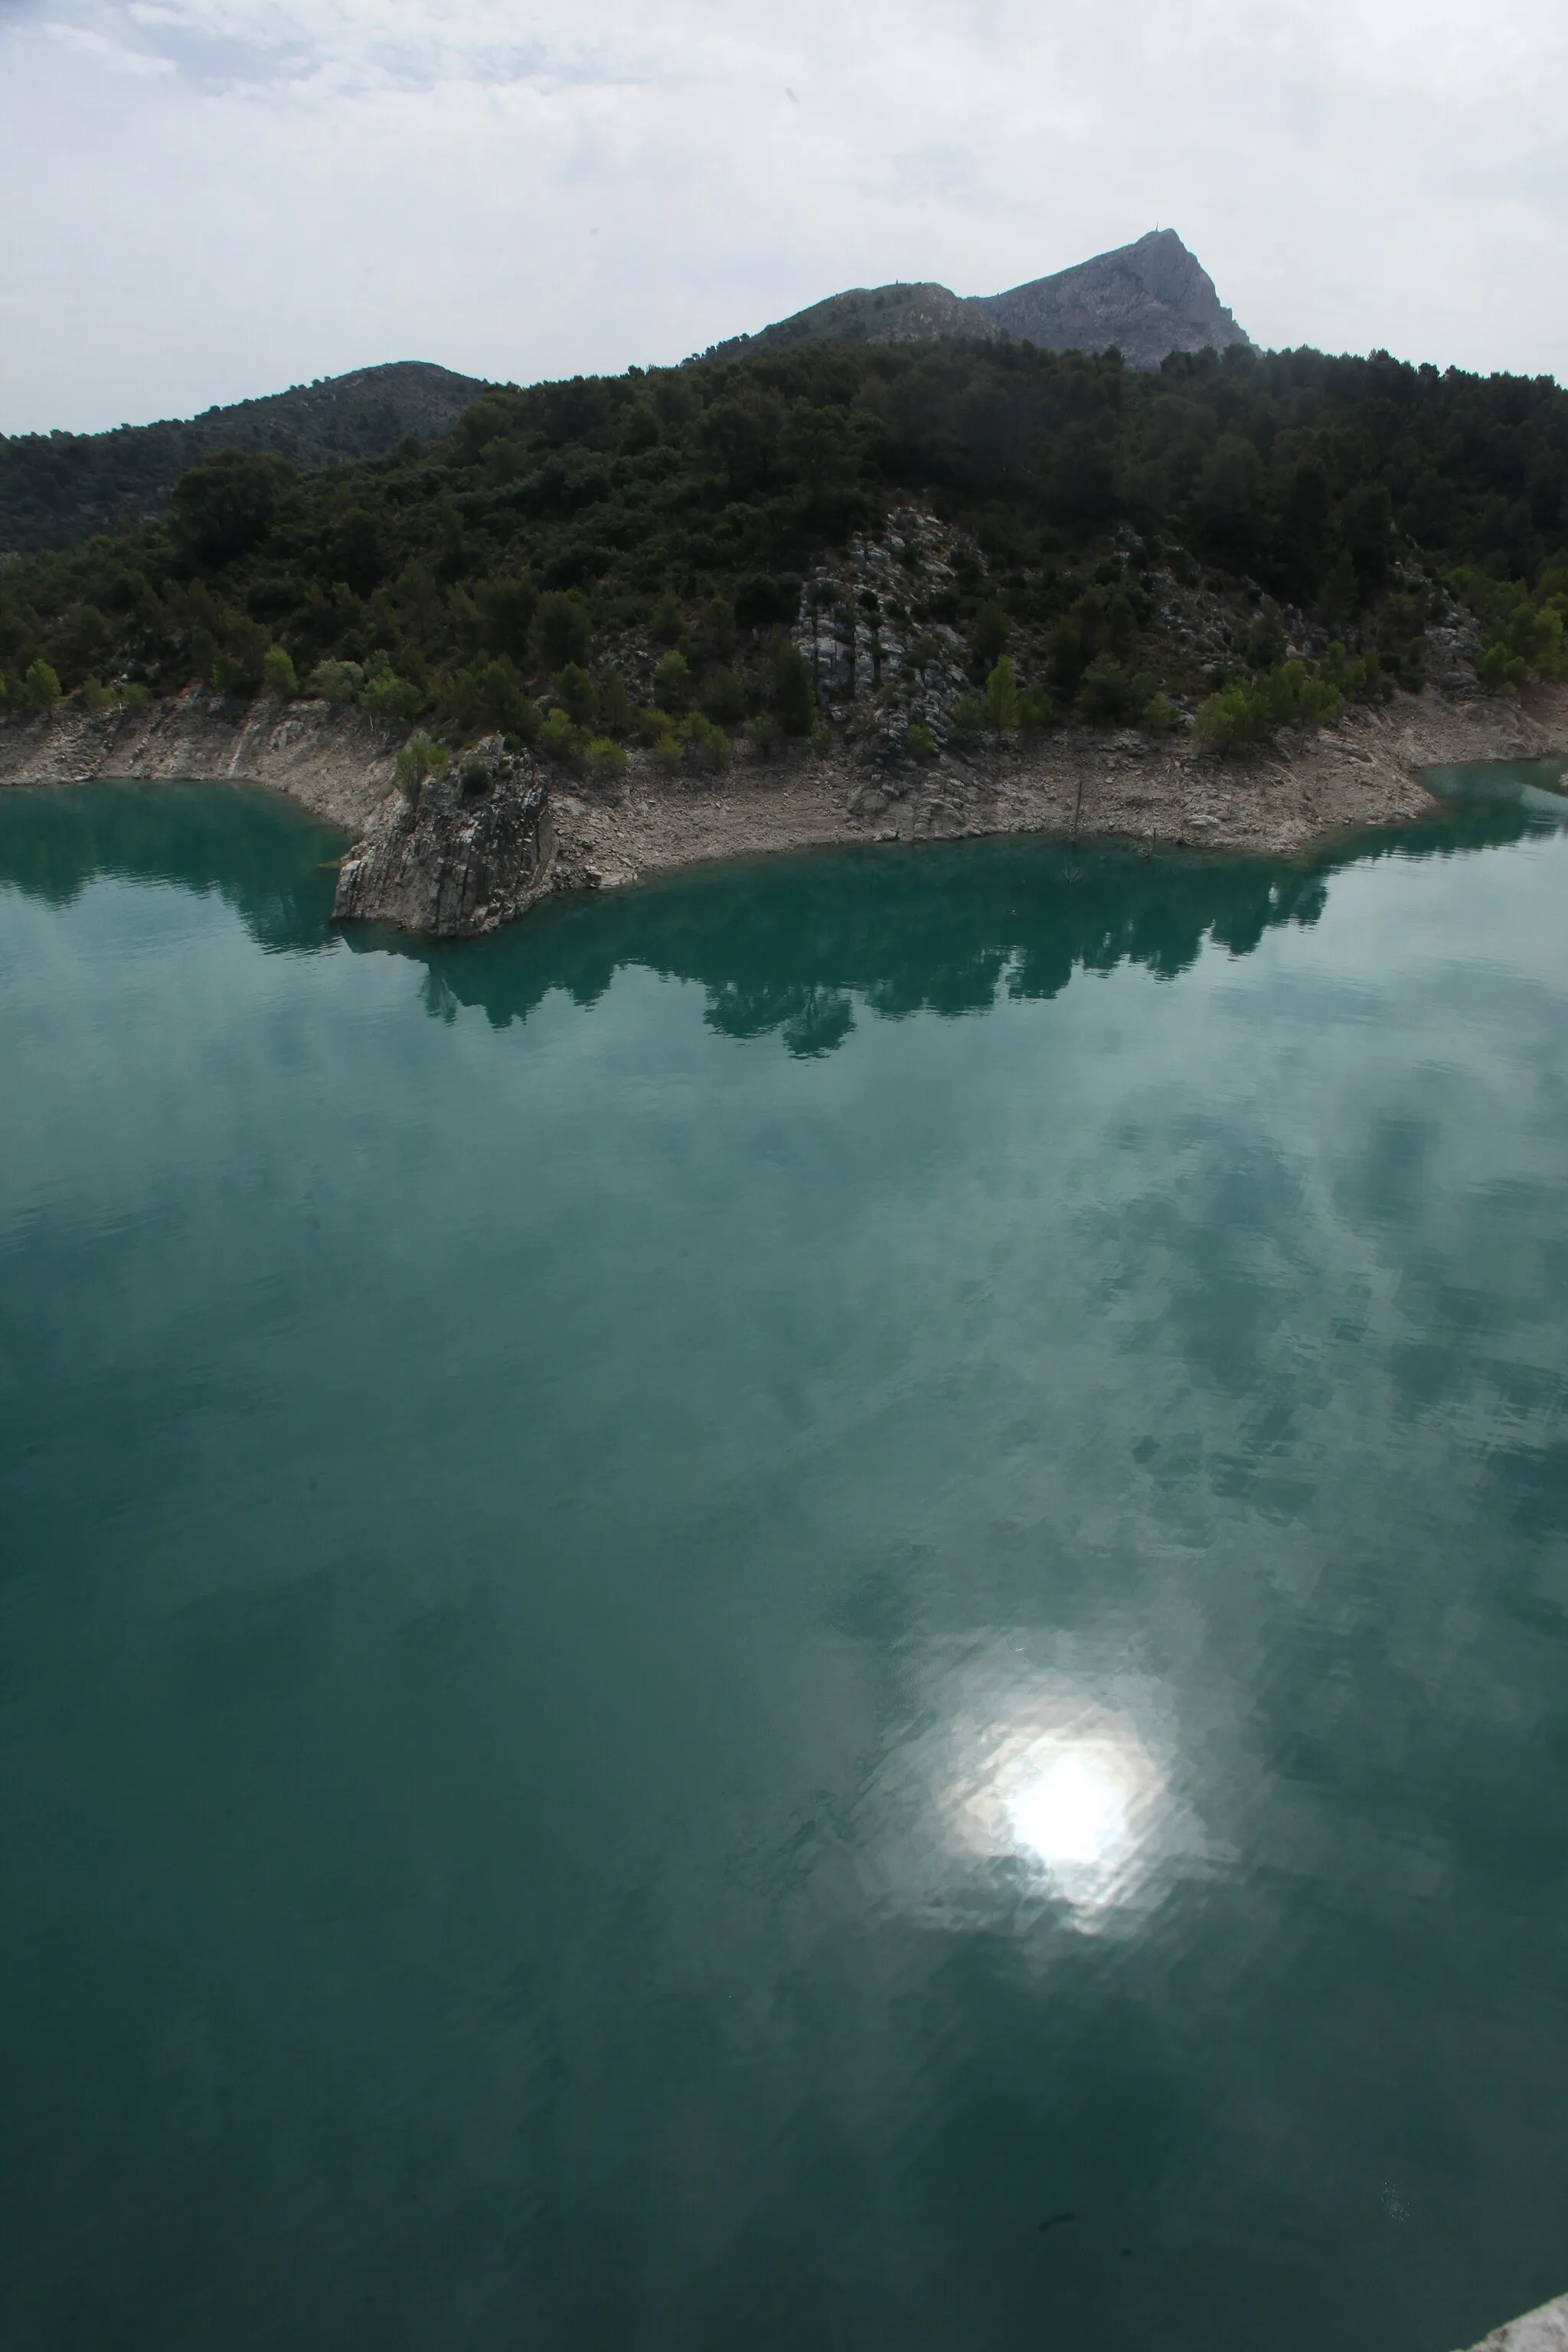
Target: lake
(822, 1606)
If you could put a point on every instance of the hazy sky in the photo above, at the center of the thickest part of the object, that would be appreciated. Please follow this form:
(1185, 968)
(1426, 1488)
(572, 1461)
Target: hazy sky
(206, 199)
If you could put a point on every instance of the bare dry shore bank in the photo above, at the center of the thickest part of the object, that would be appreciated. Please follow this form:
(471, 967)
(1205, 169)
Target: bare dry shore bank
(338, 763)
(1366, 771)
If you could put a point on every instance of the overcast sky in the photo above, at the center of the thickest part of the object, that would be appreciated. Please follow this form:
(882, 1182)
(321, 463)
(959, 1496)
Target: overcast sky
(208, 199)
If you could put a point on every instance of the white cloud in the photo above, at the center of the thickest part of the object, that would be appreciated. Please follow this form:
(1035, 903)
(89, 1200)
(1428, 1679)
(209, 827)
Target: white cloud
(225, 196)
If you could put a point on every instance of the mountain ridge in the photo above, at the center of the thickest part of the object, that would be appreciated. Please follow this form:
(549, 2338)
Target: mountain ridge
(59, 488)
(1145, 300)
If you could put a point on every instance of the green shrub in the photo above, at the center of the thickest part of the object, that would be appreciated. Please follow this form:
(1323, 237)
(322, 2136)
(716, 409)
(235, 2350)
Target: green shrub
(1538, 634)
(1524, 632)
(492, 696)
(966, 721)
(793, 695)
(1361, 681)
(606, 759)
(1160, 716)
(1002, 696)
(1037, 712)
(277, 669)
(919, 741)
(1247, 710)
(562, 632)
(1110, 696)
(1235, 717)
(386, 695)
(614, 702)
(337, 681)
(724, 697)
(1293, 694)
(1499, 671)
(717, 629)
(991, 633)
(559, 739)
(764, 734)
(763, 600)
(671, 681)
(708, 745)
(667, 626)
(231, 676)
(577, 693)
(93, 695)
(420, 757)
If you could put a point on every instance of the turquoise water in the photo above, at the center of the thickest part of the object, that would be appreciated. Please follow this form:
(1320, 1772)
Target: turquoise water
(709, 1607)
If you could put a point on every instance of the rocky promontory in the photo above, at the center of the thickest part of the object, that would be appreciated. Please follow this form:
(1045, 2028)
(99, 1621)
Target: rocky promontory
(460, 854)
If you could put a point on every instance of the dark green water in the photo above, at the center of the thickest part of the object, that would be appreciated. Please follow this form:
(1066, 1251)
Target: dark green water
(710, 1606)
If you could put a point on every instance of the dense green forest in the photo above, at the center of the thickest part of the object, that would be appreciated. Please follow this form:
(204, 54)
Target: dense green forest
(59, 488)
(577, 562)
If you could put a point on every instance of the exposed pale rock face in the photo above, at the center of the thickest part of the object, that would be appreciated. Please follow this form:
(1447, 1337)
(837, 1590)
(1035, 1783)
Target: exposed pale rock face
(1148, 298)
(336, 760)
(1543, 2330)
(474, 850)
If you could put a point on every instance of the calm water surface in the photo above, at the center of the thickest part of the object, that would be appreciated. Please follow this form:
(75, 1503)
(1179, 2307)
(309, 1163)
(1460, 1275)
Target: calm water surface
(827, 1607)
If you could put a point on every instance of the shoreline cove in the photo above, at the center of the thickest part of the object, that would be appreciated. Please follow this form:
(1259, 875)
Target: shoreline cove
(1303, 789)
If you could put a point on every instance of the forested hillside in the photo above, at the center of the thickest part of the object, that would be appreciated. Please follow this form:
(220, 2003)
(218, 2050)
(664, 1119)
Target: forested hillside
(578, 560)
(59, 488)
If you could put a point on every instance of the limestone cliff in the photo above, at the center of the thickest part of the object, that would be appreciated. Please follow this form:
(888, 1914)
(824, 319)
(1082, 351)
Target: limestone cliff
(473, 850)
(1148, 298)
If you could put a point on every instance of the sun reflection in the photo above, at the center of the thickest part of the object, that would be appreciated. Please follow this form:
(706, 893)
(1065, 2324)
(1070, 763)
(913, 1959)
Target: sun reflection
(1055, 1782)
(1070, 1810)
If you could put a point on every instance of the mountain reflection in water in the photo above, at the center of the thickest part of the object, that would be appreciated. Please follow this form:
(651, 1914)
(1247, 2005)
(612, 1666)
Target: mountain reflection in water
(906, 1692)
(788, 945)
(794, 946)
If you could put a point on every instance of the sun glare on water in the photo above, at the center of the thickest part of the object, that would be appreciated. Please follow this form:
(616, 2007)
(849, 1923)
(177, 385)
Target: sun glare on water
(1059, 1785)
(1070, 1810)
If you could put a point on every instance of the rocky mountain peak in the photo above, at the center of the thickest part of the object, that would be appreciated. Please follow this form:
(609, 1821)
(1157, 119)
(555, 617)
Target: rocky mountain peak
(1148, 298)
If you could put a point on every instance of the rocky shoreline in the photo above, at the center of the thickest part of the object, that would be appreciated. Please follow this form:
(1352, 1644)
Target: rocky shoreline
(479, 848)
(1545, 2329)
(337, 762)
